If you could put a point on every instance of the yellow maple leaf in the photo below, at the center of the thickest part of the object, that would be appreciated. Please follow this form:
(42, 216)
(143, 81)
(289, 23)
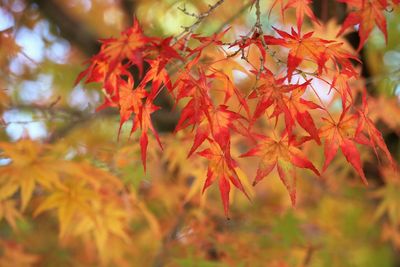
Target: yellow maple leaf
(9, 212)
(389, 195)
(109, 220)
(29, 166)
(71, 202)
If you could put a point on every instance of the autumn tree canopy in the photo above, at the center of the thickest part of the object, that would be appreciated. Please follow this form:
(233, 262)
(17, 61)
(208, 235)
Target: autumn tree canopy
(199, 133)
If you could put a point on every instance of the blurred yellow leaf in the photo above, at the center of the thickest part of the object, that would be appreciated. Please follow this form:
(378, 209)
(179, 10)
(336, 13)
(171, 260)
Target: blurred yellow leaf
(70, 202)
(9, 212)
(389, 195)
(108, 220)
(29, 166)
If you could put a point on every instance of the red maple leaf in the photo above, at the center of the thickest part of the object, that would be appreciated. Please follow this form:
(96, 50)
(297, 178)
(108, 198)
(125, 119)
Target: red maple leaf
(365, 124)
(340, 57)
(341, 133)
(166, 51)
(129, 46)
(200, 112)
(299, 108)
(130, 100)
(143, 121)
(281, 154)
(221, 122)
(197, 90)
(313, 49)
(228, 88)
(216, 123)
(340, 83)
(285, 99)
(301, 47)
(221, 167)
(302, 8)
(157, 75)
(95, 72)
(367, 14)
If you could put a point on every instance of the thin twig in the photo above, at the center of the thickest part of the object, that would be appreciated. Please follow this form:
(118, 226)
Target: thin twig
(189, 30)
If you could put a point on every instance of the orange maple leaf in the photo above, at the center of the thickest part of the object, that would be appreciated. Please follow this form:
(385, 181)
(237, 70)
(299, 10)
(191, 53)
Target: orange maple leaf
(285, 99)
(302, 8)
(301, 47)
(128, 46)
(376, 140)
(143, 121)
(280, 154)
(341, 134)
(306, 47)
(367, 14)
(130, 100)
(221, 166)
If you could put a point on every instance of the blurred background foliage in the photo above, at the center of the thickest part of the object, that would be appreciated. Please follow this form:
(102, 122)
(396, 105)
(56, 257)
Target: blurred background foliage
(111, 213)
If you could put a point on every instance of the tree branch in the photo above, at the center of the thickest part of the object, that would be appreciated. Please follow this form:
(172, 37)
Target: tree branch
(189, 30)
(129, 7)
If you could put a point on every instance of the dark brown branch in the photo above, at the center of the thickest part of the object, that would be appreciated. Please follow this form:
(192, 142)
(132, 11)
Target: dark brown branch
(77, 122)
(328, 9)
(129, 7)
(189, 30)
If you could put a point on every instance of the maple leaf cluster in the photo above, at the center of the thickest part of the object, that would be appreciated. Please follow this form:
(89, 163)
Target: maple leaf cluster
(79, 192)
(213, 108)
